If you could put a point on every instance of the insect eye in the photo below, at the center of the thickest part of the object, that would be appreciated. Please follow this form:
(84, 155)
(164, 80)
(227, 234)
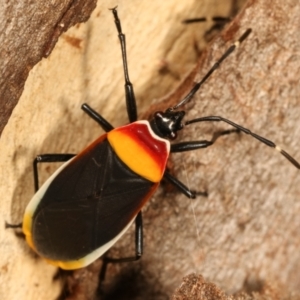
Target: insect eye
(158, 115)
(173, 136)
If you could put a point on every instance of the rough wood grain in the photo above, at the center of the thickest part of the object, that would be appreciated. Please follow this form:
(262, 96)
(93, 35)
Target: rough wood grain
(245, 234)
(28, 32)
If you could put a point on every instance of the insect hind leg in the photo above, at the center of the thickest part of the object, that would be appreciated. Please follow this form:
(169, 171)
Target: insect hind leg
(8, 225)
(138, 250)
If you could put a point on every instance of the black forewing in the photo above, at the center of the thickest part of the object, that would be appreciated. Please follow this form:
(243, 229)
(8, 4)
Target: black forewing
(87, 204)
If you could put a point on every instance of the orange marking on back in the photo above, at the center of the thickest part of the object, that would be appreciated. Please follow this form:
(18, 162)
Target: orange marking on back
(139, 150)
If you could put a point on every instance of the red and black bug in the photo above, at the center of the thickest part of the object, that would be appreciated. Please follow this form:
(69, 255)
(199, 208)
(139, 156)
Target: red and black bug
(93, 198)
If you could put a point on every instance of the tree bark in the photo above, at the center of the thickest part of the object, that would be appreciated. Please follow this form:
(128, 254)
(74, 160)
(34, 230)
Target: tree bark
(29, 32)
(244, 235)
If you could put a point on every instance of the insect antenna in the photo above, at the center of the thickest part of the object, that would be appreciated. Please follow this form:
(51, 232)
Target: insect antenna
(197, 86)
(194, 20)
(247, 131)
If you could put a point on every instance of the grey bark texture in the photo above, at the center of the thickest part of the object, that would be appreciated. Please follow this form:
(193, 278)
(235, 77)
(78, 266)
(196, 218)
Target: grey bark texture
(244, 236)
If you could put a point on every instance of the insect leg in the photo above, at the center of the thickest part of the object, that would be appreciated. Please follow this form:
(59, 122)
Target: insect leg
(247, 131)
(183, 188)
(106, 126)
(217, 19)
(8, 225)
(218, 24)
(129, 92)
(40, 159)
(189, 146)
(49, 158)
(194, 145)
(138, 248)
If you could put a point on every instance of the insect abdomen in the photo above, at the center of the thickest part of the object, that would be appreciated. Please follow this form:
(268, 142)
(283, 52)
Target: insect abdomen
(86, 208)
